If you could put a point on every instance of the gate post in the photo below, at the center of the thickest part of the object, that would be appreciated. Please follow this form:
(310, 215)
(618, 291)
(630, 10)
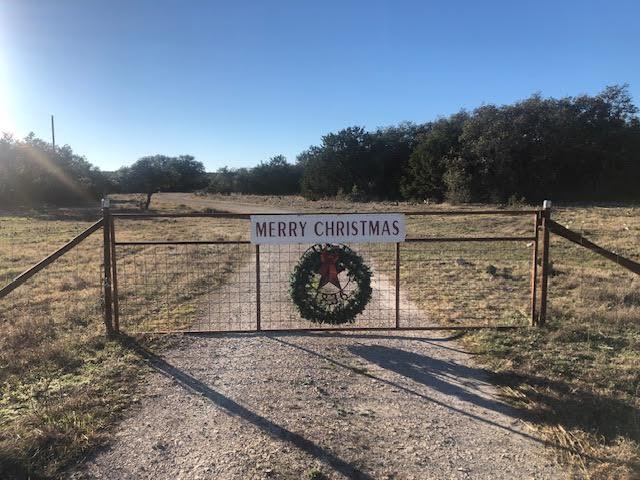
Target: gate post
(258, 326)
(114, 276)
(108, 298)
(546, 217)
(534, 271)
(398, 285)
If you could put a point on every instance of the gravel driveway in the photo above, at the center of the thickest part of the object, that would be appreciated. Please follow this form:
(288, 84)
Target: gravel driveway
(347, 405)
(408, 405)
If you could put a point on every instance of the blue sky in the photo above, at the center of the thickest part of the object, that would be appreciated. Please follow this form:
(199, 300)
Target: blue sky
(236, 82)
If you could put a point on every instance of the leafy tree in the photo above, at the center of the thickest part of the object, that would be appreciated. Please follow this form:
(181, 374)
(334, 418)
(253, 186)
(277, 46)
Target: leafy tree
(389, 152)
(33, 173)
(222, 181)
(437, 148)
(355, 160)
(191, 174)
(274, 177)
(338, 165)
(321, 175)
(151, 174)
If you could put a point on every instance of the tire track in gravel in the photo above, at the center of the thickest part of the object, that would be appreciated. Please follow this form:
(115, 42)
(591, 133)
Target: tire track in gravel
(403, 405)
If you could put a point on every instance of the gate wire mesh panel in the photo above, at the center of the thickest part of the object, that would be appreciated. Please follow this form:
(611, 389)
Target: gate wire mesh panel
(186, 287)
(278, 311)
(467, 283)
(213, 287)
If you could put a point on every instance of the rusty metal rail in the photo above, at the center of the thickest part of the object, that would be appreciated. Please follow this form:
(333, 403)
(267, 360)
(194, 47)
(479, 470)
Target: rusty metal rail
(267, 300)
(408, 240)
(248, 215)
(262, 306)
(470, 239)
(575, 237)
(27, 274)
(342, 329)
(185, 242)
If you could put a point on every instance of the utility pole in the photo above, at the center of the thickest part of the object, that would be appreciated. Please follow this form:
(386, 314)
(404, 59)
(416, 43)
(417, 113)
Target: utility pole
(53, 135)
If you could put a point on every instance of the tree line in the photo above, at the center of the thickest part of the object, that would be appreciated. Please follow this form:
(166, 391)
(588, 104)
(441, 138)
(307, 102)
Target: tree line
(572, 148)
(273, 177)
(34, 173)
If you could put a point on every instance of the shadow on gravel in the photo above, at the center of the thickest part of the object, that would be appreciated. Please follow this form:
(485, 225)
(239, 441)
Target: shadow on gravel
(449, 378)
(408, 390)
(414, 366)
(557, 402)
(435, 341)
(456, 410)
(194, 385)
(556, 397)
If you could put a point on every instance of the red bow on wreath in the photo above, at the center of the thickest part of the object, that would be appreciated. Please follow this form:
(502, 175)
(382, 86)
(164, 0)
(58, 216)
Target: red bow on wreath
(328, 269)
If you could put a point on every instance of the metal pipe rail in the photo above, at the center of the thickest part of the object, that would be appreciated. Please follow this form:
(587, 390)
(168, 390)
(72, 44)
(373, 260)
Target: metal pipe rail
(409, 240)
(576, 238)
(248, 215)
(27, 274)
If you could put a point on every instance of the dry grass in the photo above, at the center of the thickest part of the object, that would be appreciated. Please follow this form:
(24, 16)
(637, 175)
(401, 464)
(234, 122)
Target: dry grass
(63, 383)
(577, 380)
(580, 375)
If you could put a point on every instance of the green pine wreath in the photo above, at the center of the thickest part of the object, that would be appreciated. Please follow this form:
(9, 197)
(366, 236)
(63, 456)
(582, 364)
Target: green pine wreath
(311, 302)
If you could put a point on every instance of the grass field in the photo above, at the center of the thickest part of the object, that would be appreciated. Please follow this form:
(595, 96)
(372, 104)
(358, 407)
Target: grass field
(577, 380)
(63, 383)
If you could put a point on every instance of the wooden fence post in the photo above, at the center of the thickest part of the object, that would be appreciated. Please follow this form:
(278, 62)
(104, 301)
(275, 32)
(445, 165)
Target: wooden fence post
(108, 297)
(546, 218)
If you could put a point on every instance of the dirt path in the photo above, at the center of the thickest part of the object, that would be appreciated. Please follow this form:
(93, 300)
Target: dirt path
(232, 307)
(321, 405)
(232, 205)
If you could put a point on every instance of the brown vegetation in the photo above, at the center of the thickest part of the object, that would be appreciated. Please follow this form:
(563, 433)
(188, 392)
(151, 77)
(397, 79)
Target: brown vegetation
(577, 379)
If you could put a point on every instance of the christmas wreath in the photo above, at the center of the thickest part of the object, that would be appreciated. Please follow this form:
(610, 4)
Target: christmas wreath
(330, 284)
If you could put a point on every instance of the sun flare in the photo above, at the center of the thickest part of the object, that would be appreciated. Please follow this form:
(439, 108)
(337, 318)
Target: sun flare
(6, 123)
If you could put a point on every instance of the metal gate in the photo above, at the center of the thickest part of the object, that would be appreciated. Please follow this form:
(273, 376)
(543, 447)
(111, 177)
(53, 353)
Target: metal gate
(198, 272)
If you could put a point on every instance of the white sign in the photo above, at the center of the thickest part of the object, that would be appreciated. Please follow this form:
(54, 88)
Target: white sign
(333, 228)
